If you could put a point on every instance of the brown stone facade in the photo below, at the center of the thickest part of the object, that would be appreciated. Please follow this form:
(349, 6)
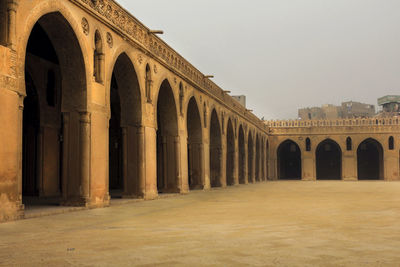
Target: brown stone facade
(346, 149)
(95, 106)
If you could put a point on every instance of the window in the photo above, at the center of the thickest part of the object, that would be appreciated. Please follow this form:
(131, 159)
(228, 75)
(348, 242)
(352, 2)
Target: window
(308, 144)
(148, 83)
(98, 58)
(391, 143)
(349, 144)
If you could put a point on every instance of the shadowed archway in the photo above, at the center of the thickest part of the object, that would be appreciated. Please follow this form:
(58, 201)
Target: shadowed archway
(230, 154)
(215, 150)
(258, 159)
(125, 111)
(167, 141)
(250, 158)
(370, 160)
(55, 80)
(328, 156)
(242, 157)
(289, 161)
(194, 146)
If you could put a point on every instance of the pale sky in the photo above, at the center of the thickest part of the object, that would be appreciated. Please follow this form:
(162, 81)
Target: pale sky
(285, 54)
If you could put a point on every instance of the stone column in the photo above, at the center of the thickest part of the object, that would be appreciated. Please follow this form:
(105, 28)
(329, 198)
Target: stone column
(84, 153)
(124, 132)
(178, 172)
(141, 172)
(65, 161)
(12, 6)
(236, 162)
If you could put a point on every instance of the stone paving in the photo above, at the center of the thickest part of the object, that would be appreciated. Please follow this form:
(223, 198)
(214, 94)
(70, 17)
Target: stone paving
(291, 223)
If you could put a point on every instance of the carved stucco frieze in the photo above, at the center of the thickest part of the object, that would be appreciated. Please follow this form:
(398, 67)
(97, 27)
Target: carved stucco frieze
(85, 26)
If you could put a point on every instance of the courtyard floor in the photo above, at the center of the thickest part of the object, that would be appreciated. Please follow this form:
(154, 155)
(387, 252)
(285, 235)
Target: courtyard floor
(323, 223)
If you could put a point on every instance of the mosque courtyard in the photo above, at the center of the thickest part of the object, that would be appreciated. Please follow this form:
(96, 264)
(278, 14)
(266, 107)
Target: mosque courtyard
(283, 223)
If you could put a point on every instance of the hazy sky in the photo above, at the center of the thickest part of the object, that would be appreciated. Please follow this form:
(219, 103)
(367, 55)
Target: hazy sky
(285, 54)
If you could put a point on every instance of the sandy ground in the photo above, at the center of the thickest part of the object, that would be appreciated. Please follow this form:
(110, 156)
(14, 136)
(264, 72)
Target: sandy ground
(267, 224)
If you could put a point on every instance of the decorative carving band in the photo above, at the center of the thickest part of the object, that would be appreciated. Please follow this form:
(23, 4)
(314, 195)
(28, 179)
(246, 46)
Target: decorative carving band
(85, 26)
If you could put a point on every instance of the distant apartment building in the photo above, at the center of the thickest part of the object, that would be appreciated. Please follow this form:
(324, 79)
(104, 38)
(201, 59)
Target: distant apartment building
(390, 105)
(346, 110)
(241, 99)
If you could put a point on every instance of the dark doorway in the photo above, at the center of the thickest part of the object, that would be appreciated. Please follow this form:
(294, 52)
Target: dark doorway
(115, 143)
(250, 159)
(230, 154)
(55, 81)
(167, 141)
(289, 161)
(328, 160)
(215, 150)
(31, 125)
(194, 146)
(258, 158)
(370, 160)
(242, 157)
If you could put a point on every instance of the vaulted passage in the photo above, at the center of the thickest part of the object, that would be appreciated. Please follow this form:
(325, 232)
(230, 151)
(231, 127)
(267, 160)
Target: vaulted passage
(242, 157)
(289, 161)
(215, 150)
(230, 154)
(258, 159)
(370, 160)
(55, 87)
(328, 160)
(250, 159)
(195, 146)
(125, 111)
(167, 141)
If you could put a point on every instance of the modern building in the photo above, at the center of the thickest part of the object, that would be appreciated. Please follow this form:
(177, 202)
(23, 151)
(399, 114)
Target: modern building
(346, 110)
(241, 99)
(390, 105)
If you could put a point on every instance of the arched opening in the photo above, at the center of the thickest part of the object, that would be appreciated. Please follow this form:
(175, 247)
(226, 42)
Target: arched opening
(289, 161)
(98, 58)
(258, 154)
(148, 82)
(230, 154)
(215, 150)
(55, 83)
(349, 144)
(250, 158)
(370, 160)
(308, 144)
(391, 143)
(242, 157)
(262, 160)
(328, 157)
(194, 146)
(167, 141)
(125, 107)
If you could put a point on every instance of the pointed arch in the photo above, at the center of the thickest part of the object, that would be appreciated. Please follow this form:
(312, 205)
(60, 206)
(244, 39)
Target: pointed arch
(215, 150)
(126, 116)
(53, 51)
(195, 146)
(242, 156)
(370, 160)
(230, 153)
(289, 161)
(328, 157)
(167, 140)
(250, 158)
